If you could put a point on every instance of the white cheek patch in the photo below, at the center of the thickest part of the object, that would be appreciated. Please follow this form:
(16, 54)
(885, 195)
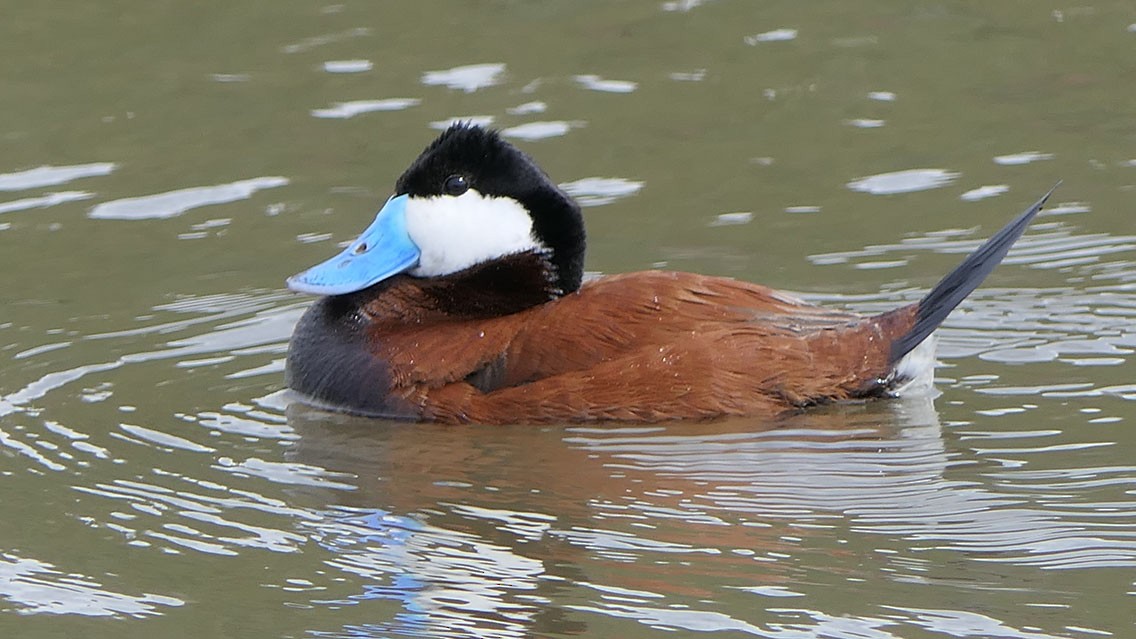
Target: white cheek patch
(454, 233)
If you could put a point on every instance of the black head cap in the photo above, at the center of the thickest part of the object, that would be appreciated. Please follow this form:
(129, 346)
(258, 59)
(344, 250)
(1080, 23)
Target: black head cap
(482, 160)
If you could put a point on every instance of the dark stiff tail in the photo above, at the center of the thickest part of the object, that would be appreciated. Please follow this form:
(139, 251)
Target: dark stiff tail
(966, 277)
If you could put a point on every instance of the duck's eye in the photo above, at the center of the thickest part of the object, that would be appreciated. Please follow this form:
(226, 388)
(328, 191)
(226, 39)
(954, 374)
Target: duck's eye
(455, 185)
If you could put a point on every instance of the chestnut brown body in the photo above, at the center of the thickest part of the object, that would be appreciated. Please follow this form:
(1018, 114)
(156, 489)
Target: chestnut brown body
(645, 346)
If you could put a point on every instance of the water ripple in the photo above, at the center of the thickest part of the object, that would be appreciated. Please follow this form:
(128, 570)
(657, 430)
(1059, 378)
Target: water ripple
(895, 486)
(528, 108)
(540, 130)
(318, 41)
(216, 509)
(776, 35)
(446, 581)
(1026, 157)
(264, 331)
(37, 587)
(468, 78)
(1051, 245)
(596, 83)
(174, 203)
(346, 110)
(905, 181)
(799, 623)
(984, 192)
(597, 191)
(683, 6)
(44, 201)
(348, 66)
(284, 473)
(53, 175)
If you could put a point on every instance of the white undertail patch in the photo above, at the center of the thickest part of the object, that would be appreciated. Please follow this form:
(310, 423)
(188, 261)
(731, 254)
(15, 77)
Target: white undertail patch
(914, 374)
(456, 232)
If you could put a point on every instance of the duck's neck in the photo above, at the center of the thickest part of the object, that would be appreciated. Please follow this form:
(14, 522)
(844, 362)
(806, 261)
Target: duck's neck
(502, 286)
(559, 225)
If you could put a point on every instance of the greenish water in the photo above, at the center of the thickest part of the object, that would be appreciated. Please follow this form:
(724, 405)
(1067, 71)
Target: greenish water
(163, 167)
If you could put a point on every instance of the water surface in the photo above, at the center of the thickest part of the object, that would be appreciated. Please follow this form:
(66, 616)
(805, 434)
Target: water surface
(163, 167)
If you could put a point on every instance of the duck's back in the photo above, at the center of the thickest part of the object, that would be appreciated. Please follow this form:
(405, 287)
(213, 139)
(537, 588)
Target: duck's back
(653, 346)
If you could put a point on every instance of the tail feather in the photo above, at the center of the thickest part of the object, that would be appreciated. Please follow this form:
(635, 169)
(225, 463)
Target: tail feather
(952, 289)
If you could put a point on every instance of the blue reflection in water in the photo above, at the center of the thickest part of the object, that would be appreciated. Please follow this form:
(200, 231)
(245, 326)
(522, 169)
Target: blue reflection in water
(444, 580)
(390, 533)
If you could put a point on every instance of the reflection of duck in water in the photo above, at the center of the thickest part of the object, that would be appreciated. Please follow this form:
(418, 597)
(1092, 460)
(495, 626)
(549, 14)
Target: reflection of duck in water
(464, 302)
(469, 527)
(565, 471)
(521, 529)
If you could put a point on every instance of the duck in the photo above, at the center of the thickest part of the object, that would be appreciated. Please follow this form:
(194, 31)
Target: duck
(465, 301)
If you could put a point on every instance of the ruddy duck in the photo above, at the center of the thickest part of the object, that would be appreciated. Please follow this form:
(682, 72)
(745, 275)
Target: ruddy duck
(464, 301)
